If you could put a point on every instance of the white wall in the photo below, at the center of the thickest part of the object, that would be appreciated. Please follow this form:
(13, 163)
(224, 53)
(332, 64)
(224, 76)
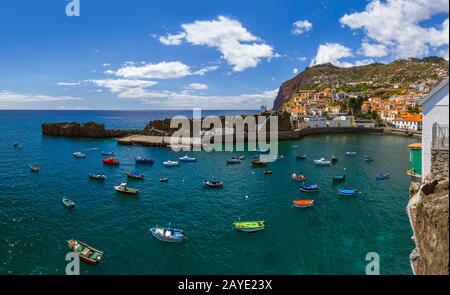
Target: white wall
(435, 110)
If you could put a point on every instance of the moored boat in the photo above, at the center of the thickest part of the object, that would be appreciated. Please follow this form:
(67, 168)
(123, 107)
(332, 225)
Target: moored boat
(368, 159)
(348, 192)
(249, 226)
(123, 188)
(300, 157)
(86, 253)
(382, 175)
(110, 161)
(322, 162)
(233, 161)
(350, 153)
(241, 157)
(79, 155)
(34, 168)
(334, 158)
(186, 158)
(339, 177)
(294, 147)
(168, 234)
(108, 153)
(97, 176)
(135, 175)
(68, 203)
(142, 160)
(281, 157)
(303, 203)
(171, 163)
(267, 172)
(258, 163)
(164, 179)
(213, 183)
(296, 176)
(309, 188)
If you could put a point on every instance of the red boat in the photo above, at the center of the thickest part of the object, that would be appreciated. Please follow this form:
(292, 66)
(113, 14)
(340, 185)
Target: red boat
(110, 161)
(259, 163)
(303, 203)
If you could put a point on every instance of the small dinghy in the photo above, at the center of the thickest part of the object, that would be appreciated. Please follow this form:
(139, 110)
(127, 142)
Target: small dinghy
(334, 159)
(249, 226)
(322, 162)
(296, 176)
(368, 159)
(382, 175)
(349, 192)
(164, 179)
(300, 157)
(135, 175)
(34, 168)
(258, 163)
(79, 155)
(123, 188)
(309, 188)
(303, 203)
(68, 203)
(339, 177)
(87, 253)
(186, 158)
(141, 160)
(97, 176)
(171, 163)
(350, 153)
(213, 183)
(107, 153)
(233, 161)
(168, 234)
(267, 172)
(110, 161)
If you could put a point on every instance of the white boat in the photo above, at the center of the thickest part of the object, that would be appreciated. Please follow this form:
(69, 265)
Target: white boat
(186, 158)
(79, 155)
(350, 153)
(322, 162)
(171, 163)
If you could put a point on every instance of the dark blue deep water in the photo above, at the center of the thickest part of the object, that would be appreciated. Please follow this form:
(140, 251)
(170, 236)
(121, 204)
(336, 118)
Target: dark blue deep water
(333, 237)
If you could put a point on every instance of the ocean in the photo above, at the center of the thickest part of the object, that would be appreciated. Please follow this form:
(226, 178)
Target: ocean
(333, 237)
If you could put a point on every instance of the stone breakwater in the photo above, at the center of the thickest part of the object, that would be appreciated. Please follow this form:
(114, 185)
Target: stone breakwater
(87, 130)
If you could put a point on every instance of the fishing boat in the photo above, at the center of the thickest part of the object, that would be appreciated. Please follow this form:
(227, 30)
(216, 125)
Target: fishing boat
(322, 162)
(249, 226)
(382, 175)
(68, 203)
(303, 203)
(213, 183)
(267, 172)
(258, 163)
(34, 168)
(171, 163)
(350, 153)
(107, 153)
(86, 253)
(309, 188)
(234, 161)
(186, 158)
(135, 175)
(300, 157)
(123, 188)
(141, 160)
(296, 176)
(349, 192)
(168, 234)
(339, 177)
(334, 159)
(79, 155)
(110, 161)
(97, 176)
(164, 179)
(368, 159)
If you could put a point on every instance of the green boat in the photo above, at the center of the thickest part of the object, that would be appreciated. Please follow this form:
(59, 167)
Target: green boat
(249, 226)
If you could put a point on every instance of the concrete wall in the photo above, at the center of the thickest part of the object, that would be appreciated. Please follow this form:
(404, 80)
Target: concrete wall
(435, 110)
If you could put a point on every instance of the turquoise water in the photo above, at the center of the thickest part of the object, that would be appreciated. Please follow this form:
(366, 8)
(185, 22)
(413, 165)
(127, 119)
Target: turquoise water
(333, 237)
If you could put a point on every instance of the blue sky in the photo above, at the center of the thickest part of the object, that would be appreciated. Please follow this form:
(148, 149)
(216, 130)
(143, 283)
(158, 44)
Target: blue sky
(141, 54)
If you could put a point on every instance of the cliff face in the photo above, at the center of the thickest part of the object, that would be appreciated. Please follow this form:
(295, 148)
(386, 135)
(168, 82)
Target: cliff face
(428, 213)
(90, 130)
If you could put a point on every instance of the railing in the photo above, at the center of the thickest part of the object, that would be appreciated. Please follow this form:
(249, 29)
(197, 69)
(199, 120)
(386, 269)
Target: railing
(440, 136)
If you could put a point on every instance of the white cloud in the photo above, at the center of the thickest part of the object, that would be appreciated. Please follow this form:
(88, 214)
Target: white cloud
(197, 86)
(301, 26)
(17, 98)
(332, 53)
(397, 25)
(295, 71)
(172, 39)
(162, 70)
(238, 46)
(110, 72)
(106, 65)
(122, 85)
(373, 50)
(68, 83)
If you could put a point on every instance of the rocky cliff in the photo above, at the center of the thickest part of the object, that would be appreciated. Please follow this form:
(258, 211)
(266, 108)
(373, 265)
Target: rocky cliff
(428, 213)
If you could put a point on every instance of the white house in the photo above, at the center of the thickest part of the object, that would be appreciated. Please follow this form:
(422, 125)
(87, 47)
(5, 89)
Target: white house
(413, 122)
(435, 123)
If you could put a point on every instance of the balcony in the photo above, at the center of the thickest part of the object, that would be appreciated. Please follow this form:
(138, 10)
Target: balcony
(439, 137)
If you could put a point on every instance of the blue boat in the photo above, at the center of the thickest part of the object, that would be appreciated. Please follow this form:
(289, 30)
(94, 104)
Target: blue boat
(349, 192)
(107, 153)
(135, 175)
(141, 160)
(68, 203)
(309, 188)
(340, 177)
(168, 234)
(381, 176)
